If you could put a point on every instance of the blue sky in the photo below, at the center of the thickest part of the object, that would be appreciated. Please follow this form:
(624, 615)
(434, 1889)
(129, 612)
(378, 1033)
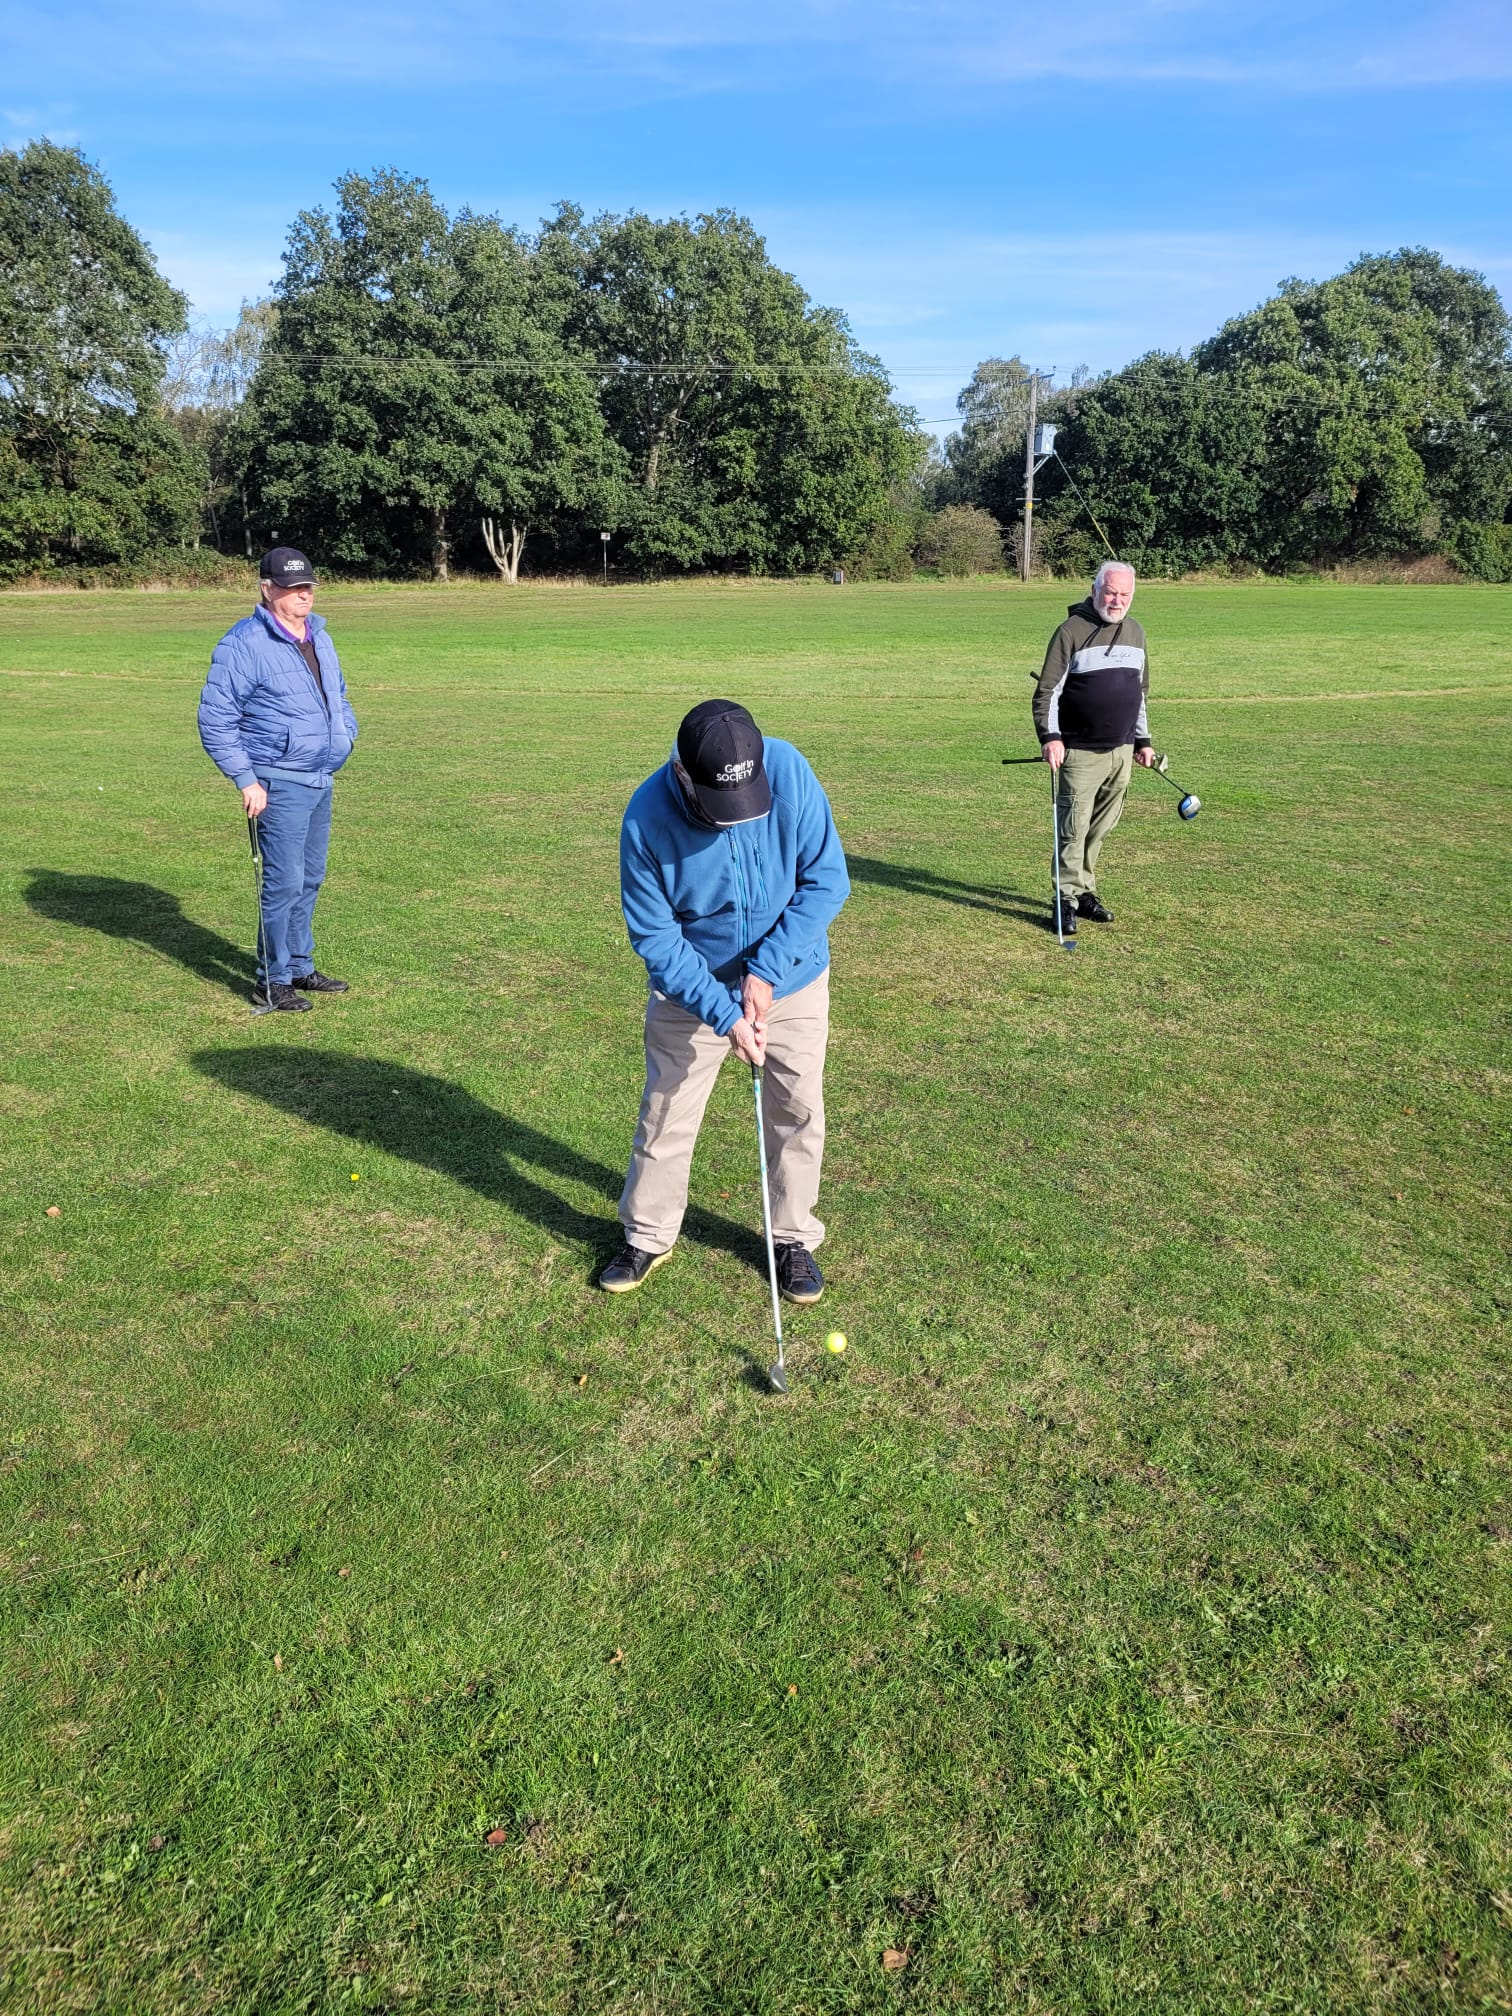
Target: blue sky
(963, 179)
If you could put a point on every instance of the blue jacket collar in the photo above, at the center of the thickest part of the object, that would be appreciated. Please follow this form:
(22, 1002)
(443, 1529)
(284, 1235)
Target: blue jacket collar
(270, 623)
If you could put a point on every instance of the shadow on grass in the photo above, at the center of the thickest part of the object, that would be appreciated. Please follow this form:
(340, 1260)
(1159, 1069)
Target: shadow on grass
(438, 1125)
(145, 915)
(971, 895)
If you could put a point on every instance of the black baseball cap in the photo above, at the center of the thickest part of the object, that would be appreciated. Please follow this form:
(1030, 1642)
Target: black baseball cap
(288, 567)
(721, 749)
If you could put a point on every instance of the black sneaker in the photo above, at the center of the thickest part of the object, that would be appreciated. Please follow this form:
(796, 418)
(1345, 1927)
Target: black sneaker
(318, 983)
(1067, 919)
(798, 1275)
(629, 1268)
(276, 995)
(1090, 907)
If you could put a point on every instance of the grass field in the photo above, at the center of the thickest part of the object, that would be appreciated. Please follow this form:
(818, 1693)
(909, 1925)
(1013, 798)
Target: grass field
(1123, 1625)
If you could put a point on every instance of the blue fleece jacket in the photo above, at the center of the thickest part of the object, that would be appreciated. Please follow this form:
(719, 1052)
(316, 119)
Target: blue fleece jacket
(262, 714)
(704, 905)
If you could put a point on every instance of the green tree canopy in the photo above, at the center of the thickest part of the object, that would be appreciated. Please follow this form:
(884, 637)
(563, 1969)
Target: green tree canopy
(1366, 414)
(90, 468)
(417, 380)
(755, 433)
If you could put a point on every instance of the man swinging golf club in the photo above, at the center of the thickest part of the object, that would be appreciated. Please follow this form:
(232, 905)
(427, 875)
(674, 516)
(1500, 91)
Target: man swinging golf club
(1090, 713)
(731, 873)
(274, 716)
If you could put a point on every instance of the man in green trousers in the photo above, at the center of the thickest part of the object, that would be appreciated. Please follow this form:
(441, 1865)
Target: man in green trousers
(1090, 715)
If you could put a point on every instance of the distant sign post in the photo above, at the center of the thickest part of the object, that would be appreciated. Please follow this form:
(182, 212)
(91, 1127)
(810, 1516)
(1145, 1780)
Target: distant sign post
(604, 537)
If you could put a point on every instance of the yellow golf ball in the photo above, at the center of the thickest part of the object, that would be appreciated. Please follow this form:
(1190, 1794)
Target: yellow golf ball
(835, 1342)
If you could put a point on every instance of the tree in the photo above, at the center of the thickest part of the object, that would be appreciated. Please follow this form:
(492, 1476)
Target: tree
(1386, 395)
(1168, 460)
(416, 384)
(984, 458)
(90, 469)
(754, 433)
(207, 376)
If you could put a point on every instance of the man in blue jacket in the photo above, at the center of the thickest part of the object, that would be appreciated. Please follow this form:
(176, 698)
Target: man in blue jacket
(274, 716)
(731, 873)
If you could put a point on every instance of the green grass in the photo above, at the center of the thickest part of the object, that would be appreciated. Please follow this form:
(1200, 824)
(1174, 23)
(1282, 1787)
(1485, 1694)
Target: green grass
(1123, 1626)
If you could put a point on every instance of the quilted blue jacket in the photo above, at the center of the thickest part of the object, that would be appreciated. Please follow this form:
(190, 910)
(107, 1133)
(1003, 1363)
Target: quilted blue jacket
(261, 713)
(704, 905)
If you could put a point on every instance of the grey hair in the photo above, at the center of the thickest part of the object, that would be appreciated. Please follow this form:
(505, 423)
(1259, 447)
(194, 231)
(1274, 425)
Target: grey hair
(1111, 567)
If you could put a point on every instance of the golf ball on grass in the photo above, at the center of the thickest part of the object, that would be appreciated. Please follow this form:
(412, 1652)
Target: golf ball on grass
(835, 1342)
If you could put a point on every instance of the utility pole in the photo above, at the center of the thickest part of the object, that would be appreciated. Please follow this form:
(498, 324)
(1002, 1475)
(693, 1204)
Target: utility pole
(1029, 477)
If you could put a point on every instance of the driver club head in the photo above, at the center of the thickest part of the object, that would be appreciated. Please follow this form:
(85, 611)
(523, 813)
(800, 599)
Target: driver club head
(1190, 806)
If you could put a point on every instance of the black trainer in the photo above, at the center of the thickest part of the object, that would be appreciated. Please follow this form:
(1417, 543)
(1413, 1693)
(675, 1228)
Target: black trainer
(1090, 907)
(1067, 919)
(629, 1268)
(276, 995)
(318, 983)
(798, 1275)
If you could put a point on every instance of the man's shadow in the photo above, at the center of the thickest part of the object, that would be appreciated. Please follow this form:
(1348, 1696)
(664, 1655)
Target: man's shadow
(971, 895)
(145, 915)
(438, 1125)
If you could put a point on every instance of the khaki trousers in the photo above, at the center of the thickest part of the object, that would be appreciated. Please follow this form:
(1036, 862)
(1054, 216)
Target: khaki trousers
(1093, 786)
(683, 1056)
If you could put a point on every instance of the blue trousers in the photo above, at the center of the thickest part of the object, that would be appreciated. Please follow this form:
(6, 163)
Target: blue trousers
(295, 831)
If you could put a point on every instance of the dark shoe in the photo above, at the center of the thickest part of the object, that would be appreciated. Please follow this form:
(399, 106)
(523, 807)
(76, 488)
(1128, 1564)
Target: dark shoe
(798, 1275)
(628, 1269)
(318, 983)
(277, 995)
(1067, 919)
(1090, 907)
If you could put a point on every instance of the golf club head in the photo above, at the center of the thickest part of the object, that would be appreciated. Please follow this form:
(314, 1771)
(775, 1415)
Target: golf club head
(777, 1375)
(262, 1009)
(1190, 806)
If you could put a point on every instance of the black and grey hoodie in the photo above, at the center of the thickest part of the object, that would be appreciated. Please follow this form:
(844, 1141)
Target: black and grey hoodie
(1096, 681)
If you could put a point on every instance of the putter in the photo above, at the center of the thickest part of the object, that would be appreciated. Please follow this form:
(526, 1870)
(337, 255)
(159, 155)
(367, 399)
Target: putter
(1190, 804)
(777, 1374)
(1066, 944)
(266, 1007)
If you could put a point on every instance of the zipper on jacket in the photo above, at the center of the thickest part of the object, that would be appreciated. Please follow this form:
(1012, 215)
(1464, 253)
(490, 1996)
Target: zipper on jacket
(740, 890)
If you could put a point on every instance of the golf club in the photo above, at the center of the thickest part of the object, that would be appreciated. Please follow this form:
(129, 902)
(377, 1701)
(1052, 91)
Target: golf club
(1066, 944)
(777, 1374)
(264, 1007)
(1190, 804)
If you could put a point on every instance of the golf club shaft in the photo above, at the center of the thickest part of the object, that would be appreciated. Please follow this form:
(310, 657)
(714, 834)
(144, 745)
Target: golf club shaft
(1055, 848)
(766, 1213)
(257, 883)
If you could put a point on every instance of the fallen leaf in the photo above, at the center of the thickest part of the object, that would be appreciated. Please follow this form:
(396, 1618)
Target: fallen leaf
(278, 1662)
(792, 1690)
(496, 1837)
(53, 1211)
(343, 1573)
(618, 1658)
(894, 1958)
(582, 1379)
(158, 1841)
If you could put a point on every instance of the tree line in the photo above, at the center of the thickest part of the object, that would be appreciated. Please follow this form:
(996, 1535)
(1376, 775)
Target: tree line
(424, 392)
(1360, 417)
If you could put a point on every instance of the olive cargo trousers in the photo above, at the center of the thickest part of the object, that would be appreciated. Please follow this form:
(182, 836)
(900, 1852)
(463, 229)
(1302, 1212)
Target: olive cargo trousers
(1090, 797)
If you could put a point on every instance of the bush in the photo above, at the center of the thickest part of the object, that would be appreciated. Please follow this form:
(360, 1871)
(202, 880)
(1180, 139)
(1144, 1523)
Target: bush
(888, 553)
(177, 567)
(962, 540)
(1483, 551)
